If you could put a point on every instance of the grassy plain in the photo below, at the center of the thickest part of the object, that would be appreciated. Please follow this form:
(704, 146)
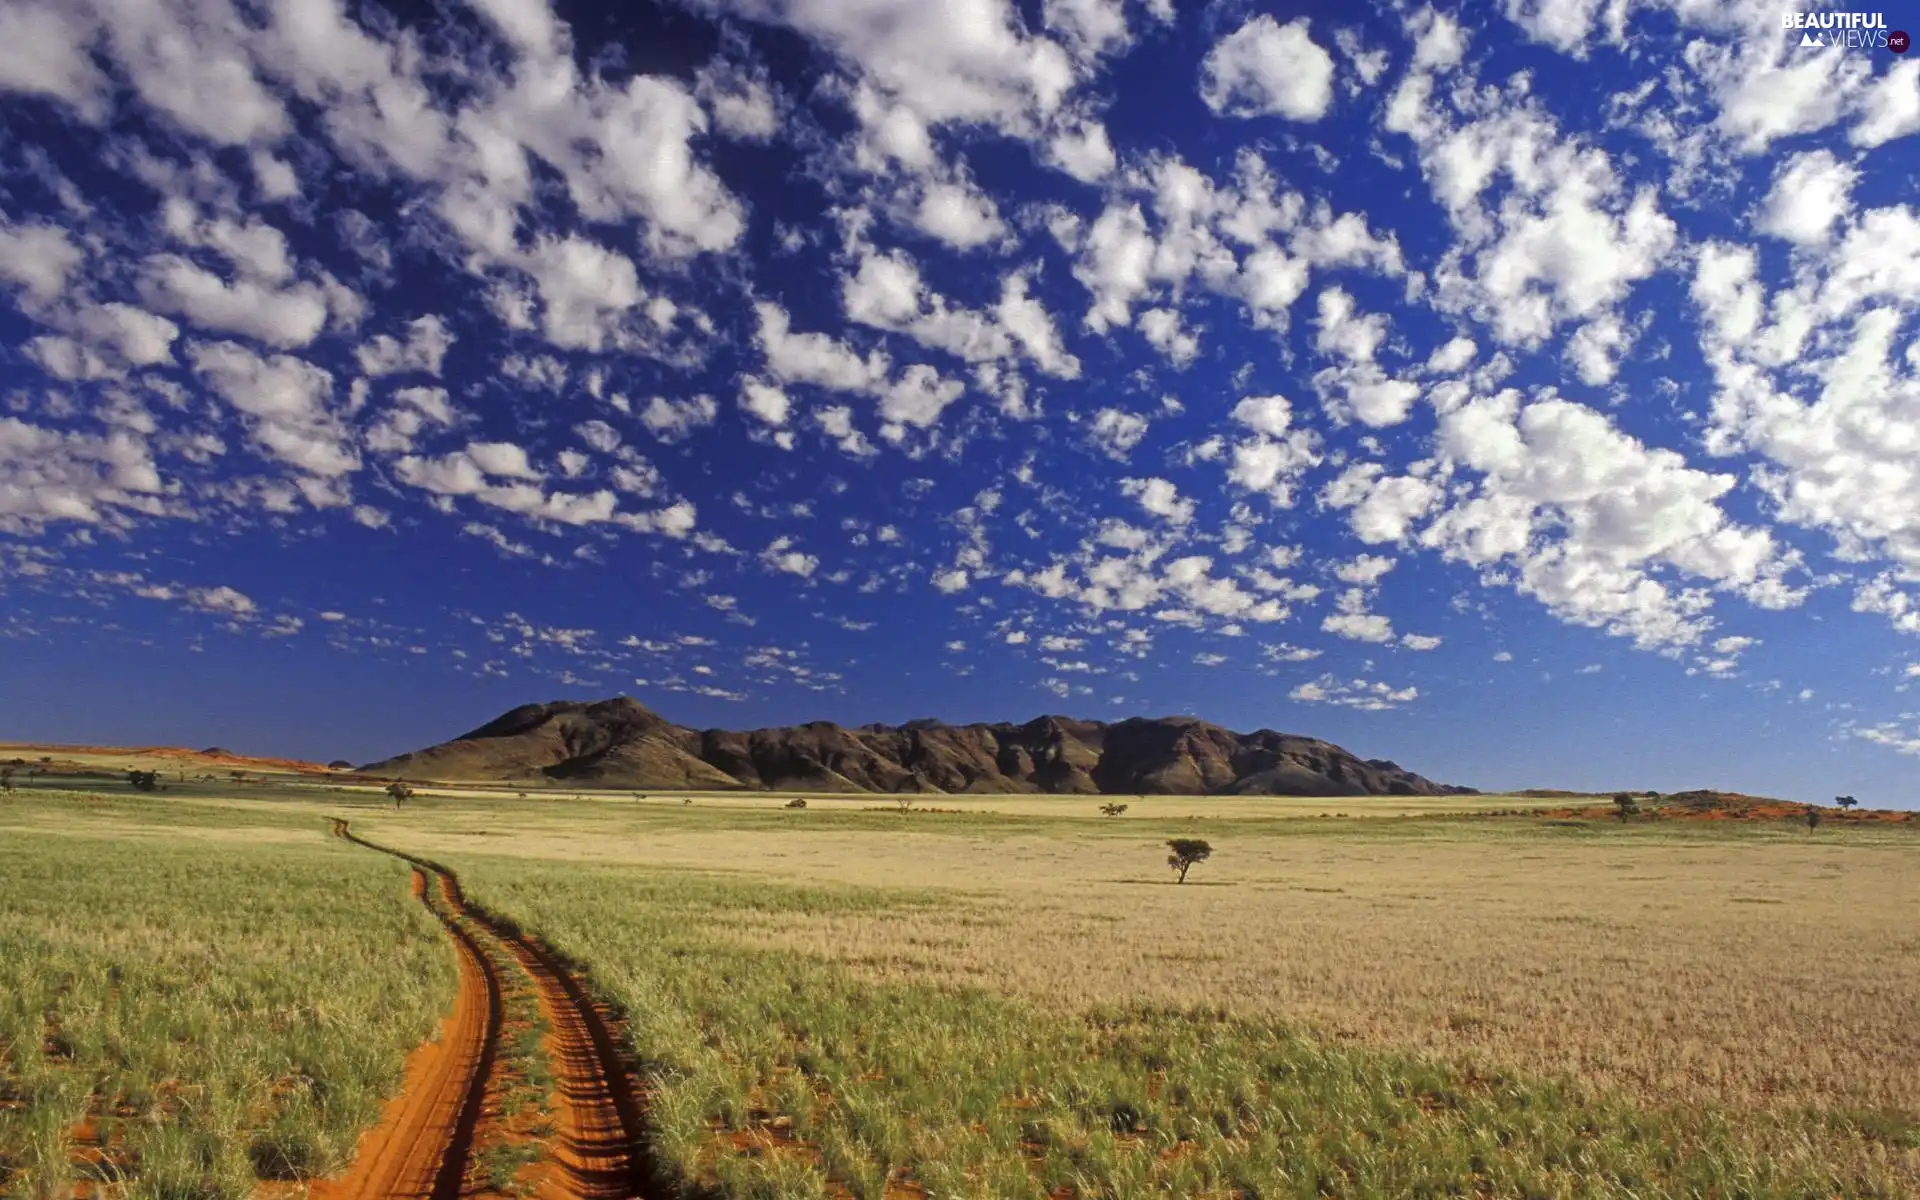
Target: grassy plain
(1766, 974)
(849, 1000)
(184, 1015)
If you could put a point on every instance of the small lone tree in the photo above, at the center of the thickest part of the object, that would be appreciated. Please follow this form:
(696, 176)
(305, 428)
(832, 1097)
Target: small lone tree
(1186, 852)
(144, 781)
(797, 802)
(904, 800)
(400, 791)
(1113, 810)
(6, 779)
(1845, 801)
(1813, 817)
(1625, 805)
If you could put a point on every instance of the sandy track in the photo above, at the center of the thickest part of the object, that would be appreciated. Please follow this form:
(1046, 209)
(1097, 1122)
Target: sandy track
(597, 1152)
(425, 1136)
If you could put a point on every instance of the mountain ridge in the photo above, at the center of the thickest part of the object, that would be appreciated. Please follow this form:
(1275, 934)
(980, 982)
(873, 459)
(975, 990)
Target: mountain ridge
(620, 743)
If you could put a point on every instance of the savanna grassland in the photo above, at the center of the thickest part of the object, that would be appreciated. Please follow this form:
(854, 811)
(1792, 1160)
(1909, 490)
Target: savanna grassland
(187, 1009)
(850, 1000)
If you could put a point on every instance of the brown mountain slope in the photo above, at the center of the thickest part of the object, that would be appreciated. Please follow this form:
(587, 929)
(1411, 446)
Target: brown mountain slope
(619, 743)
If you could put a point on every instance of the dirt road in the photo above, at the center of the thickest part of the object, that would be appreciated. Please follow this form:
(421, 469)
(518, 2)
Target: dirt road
(424, 1143)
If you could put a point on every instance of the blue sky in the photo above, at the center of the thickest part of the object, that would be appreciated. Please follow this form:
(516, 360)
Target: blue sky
(1527, 393)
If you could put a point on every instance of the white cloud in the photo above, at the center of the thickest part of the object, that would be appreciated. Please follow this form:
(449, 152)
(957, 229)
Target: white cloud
(505, 459)
(951, 580)
(1895, 737)
(1160, 498)
(1354, 693)
(38, 259)
(675, 420)
(1890, 107)
(836, 421)
(424, 350)
(920, 65)
(285, 318)
(959, 215)
(781, 556)
(222, 600)
(1810, 192)
(742, 103)
(1382, 507)
(1364, 571)
(918, 397)
(1453, 357)
(1265, 68)
(815, 358)
(1116, 432)
(47, 475)
(43, 51)
(1568, 25)
(1621, 509)
(285, 400)
(1286, 653)
(765, 401)
(1163, 330)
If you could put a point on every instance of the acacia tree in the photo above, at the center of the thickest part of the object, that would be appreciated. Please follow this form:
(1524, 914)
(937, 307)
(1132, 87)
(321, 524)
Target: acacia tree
(1625, 805)
(6, 779)
(1187, 852)
(1113, 810)
(144, 781)
(400, 792)
(1845, 801)
(1813, 817)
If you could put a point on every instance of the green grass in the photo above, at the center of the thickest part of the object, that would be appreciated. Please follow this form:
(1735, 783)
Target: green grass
(225, 1011)
(972, 1094)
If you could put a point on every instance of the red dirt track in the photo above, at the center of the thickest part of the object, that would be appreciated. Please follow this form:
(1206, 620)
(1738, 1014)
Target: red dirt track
(424, 1142)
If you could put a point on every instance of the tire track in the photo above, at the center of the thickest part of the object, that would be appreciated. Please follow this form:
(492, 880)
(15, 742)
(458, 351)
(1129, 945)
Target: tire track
(598, 1152)
(424, 1140)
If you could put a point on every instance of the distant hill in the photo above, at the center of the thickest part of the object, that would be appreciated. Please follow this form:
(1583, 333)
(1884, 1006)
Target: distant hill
(620, 743)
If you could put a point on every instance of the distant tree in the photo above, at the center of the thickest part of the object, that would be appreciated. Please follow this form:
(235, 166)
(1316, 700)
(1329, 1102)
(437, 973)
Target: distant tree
(1113, 810)
(6, 779)
(400, 792)
(797, 802)
(686, 799)
(1845, 801)
(1813, 817)
(1625, 805)
(339, 764)
(1186, 852)
(904, 800)
(144, 781)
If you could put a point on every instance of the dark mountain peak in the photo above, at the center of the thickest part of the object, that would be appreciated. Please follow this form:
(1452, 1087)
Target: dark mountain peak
(619, 742)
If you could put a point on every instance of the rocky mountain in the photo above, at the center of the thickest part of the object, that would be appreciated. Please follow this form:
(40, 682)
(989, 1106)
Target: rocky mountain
(620, 743)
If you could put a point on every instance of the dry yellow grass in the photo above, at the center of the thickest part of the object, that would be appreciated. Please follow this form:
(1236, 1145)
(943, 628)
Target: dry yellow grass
(1773, 971)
